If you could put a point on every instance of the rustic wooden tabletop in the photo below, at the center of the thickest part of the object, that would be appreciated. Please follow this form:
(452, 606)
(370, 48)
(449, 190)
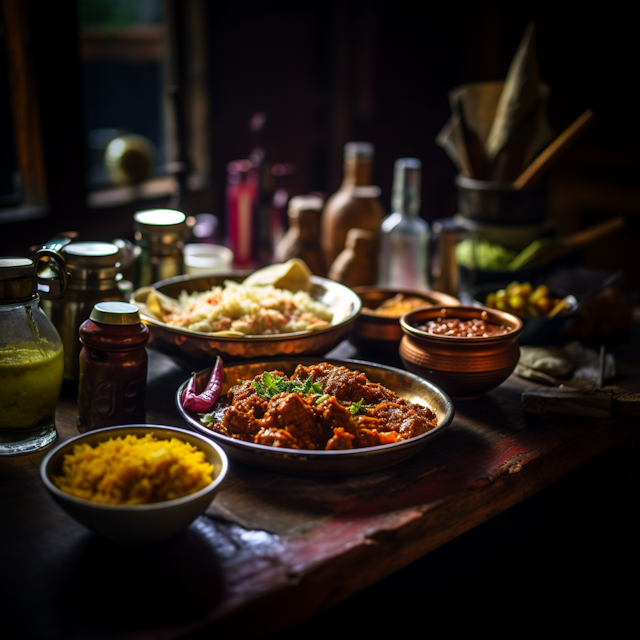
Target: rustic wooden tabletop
(268, 537)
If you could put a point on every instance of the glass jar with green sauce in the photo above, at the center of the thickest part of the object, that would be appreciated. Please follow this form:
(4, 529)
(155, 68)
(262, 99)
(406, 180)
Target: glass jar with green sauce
(31, 353)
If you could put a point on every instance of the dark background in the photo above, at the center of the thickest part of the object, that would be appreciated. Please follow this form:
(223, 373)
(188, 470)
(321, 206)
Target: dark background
(325, 73)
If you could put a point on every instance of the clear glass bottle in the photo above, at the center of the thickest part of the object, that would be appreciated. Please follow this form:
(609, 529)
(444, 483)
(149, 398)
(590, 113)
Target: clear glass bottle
(404, 238)
(31, 355)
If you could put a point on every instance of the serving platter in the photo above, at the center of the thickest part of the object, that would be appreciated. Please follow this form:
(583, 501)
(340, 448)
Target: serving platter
(196, 348)
(326, 463)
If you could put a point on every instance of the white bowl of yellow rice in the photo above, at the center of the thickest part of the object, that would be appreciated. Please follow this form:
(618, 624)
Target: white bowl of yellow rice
(135, 484)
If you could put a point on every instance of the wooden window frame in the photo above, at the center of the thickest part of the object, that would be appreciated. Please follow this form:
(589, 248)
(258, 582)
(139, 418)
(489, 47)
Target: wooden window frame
(47, 103)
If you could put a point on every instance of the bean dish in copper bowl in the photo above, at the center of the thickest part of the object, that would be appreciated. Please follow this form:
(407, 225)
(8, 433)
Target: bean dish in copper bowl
(467, 351)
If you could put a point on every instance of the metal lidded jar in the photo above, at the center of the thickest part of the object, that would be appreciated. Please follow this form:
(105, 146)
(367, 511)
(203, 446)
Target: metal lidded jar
(31, 353)
(112, 389)
(94, 272)
(160, 236)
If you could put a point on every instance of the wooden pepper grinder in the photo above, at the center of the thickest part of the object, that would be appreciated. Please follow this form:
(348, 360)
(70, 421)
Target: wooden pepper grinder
(302, 240)
(356, 204)
(356, 265)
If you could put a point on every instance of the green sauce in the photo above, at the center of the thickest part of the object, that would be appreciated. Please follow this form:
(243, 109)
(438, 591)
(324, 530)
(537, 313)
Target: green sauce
(30, 381)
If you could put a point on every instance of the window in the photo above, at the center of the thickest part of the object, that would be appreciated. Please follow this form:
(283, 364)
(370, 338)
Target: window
(122, 45)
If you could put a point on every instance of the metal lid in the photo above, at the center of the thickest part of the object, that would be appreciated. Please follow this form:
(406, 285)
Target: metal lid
(15, 268)
(144, 220)
(116, 313)
(17, 278)
(360, 149)
(96, 254)
(91, 249)
(21, 279)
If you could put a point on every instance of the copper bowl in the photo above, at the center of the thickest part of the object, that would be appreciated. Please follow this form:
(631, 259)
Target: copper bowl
(196, 348)
(464, 368)
(385, 331)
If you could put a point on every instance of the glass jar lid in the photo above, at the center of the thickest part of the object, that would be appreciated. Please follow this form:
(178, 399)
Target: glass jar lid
(157, 218)
(98, 253)
(17, 278)
(21, 280)
(115, 313)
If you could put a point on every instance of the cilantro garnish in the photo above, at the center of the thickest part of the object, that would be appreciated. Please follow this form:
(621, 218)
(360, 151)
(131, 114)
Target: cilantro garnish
(269, 385)
(355, 406)
(207, 418)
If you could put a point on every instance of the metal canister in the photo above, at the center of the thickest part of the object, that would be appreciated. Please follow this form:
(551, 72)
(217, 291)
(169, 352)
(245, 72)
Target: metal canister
(444, 268)
(113, 367)
(160, 236)
(94, 271)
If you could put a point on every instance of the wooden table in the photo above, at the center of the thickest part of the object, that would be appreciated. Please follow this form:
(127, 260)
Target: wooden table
(270, 539)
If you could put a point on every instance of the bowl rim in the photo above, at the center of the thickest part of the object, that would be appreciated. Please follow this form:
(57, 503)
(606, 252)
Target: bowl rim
(474, 184)
(363, 290)
(133, 508)
(316, 280)
(408, 320)
(315, 454)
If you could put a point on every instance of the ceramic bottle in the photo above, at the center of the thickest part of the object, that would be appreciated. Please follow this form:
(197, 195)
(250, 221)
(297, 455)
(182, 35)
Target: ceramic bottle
(356, 204)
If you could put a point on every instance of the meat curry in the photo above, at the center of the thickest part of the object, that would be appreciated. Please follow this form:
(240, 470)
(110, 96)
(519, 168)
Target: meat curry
(320, 407)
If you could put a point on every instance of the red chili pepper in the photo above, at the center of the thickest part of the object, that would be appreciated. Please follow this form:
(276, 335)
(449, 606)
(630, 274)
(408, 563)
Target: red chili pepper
(205, 401)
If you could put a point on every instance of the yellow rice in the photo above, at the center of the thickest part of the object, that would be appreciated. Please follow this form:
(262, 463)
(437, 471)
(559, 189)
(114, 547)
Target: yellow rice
(131, 470)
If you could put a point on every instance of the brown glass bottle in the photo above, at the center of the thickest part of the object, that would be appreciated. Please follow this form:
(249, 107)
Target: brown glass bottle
(356, 204)
(113, 367)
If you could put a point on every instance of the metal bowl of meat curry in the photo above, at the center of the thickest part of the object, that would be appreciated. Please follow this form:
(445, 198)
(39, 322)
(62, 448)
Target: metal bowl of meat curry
(198, 349)
(344, 462)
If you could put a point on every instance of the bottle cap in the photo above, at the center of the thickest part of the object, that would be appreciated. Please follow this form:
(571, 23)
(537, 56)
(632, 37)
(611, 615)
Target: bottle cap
(407, 175)
(358, 149)
(115, 313)
(305, 203)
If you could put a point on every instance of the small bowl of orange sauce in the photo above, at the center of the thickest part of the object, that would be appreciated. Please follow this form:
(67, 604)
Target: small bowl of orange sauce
(382, 307)
(464, 350)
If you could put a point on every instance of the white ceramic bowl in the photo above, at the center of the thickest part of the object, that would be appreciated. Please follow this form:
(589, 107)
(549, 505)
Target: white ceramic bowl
(136, 524)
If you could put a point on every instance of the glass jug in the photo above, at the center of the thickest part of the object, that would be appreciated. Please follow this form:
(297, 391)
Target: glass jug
(31, 353)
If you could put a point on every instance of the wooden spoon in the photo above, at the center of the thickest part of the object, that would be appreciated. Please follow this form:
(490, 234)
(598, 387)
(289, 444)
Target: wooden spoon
(532, 175)
(546, 249)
